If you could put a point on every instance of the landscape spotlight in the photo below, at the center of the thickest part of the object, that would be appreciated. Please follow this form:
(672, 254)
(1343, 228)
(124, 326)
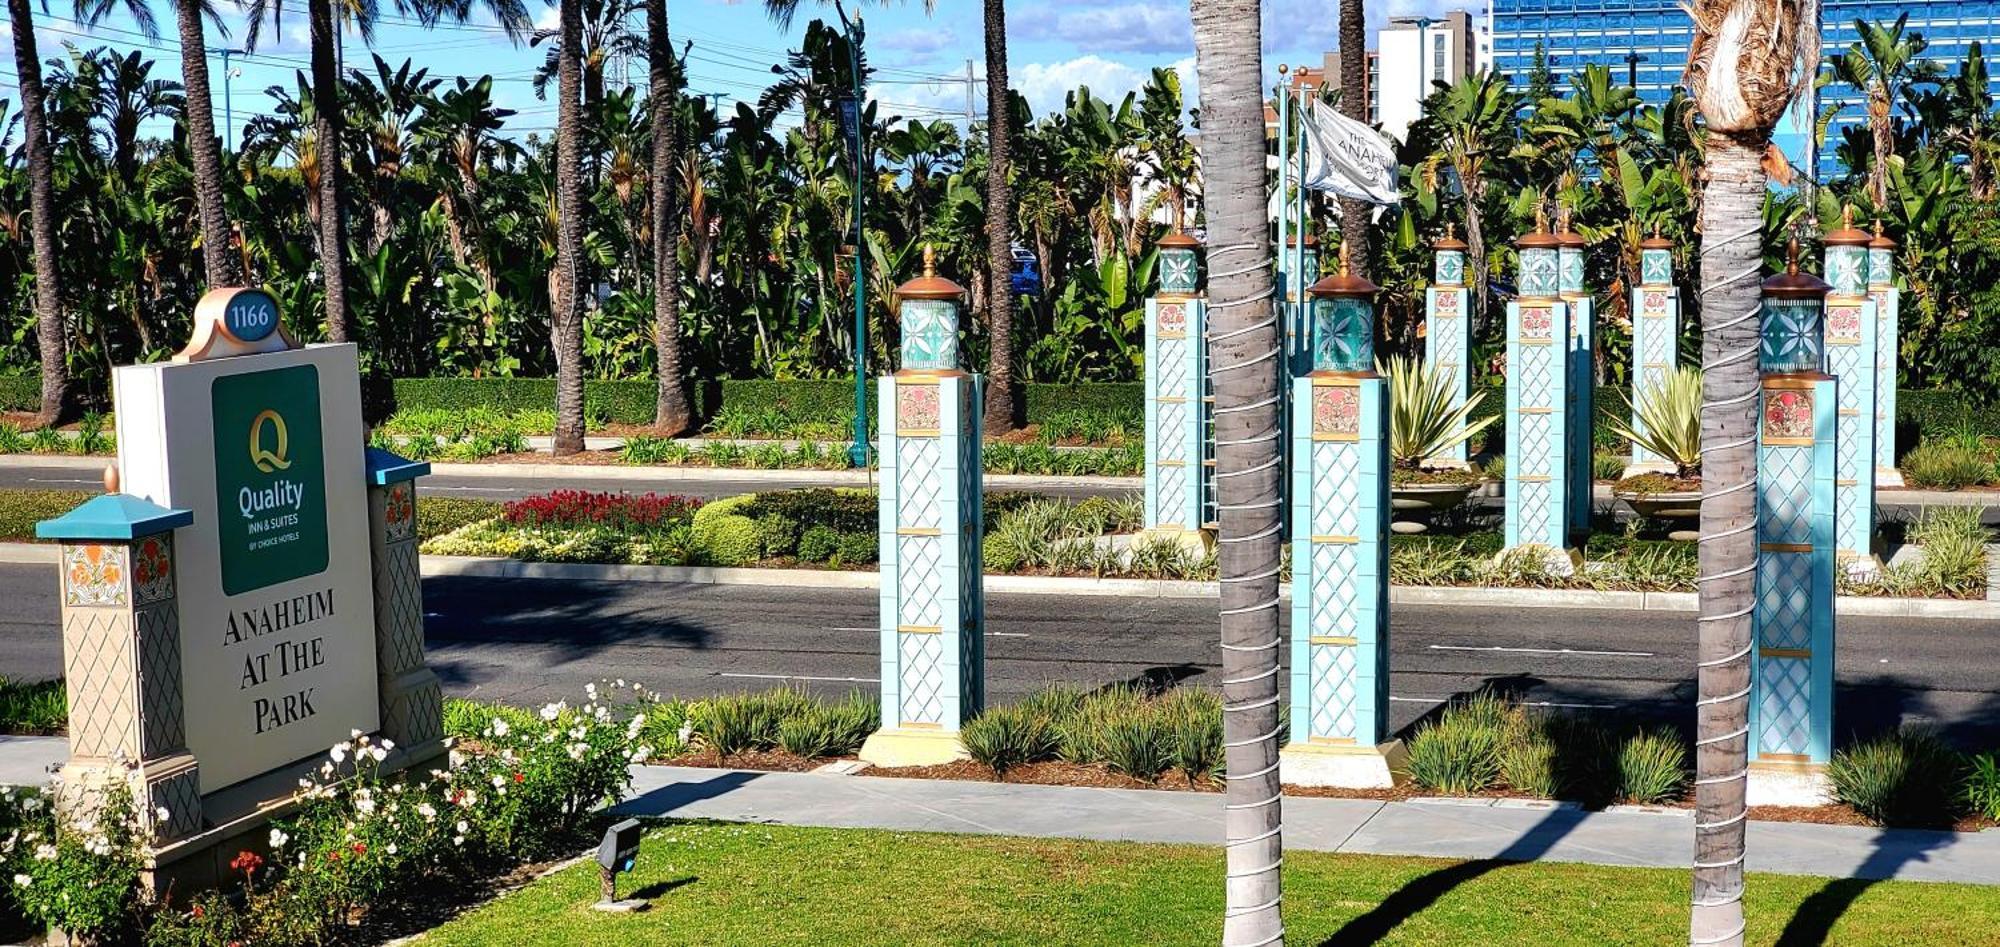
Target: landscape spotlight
(617, 853)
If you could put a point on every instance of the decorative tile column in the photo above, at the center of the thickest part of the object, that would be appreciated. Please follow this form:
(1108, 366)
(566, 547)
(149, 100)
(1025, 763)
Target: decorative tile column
(1791, 705)
(1888, 311)
(1578, 411)
(1538, 381)
(1178, 466)
(1300, 270)
(410, 696)
(933, 607)
(1850, 357)
(121, 640)
(1448, 329)
(1656, 333)
(1340, 549)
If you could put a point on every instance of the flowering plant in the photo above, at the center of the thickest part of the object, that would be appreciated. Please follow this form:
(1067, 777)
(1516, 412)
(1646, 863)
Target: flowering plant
(76, 871)
(583, 508)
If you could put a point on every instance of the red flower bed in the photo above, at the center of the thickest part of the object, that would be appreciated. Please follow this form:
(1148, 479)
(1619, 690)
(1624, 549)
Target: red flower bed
(583, 508)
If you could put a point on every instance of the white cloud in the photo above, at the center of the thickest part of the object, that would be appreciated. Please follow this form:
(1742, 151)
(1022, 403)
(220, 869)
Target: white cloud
(918, 45)
(549, 19)
(1045, 84)
(1113, 27)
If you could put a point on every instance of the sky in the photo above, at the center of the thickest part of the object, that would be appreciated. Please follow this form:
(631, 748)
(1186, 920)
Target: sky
(1109, 45)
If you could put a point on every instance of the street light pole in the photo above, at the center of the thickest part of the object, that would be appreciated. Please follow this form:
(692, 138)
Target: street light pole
(1632, 61)
(857, 452)
(228, 112)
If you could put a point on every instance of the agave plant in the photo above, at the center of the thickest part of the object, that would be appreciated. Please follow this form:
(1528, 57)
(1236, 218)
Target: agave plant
(1669, 422)
(1423, 421)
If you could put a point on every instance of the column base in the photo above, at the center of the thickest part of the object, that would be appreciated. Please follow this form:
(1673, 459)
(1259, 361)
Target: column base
(1888, 477)
(1788, 784)
(1346, 766)
(893, 747)
(1558, 562)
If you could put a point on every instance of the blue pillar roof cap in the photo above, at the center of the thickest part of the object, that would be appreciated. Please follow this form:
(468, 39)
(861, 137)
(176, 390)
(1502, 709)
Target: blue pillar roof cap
(113, 516)
(385, 468)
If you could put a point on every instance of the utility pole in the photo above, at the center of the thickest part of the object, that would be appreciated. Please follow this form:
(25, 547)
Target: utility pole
(1632, 61)
(854, 112)
(228, 113)
(970, 112)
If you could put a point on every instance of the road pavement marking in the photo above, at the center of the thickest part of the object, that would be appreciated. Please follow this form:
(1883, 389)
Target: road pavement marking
(1522, 703)
(1006, 634)
(56, 480)
(1596, 654)
(803, 677)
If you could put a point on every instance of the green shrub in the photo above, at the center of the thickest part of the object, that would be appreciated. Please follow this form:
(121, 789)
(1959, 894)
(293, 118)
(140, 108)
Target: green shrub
(851, 721)
(723, 536)
(809, 735)
(21, 392)
(1982, 785)
(845, 510)
(1946, 466)
(1459, 752)
(437, 516)
(33, 708)
(1136, 744)
(467, 719)
(739, 723)
(1652, 767)
(777, 535)
(1607, 466)
(1055, 701)
(1083, 729)
(1005, 737)
(1528, 764)
(48, 440)
(1954, 543)
(12, 441)
(1907, 778)
(818, 544)
(1192, 719)
(858, 549)
(20, 510)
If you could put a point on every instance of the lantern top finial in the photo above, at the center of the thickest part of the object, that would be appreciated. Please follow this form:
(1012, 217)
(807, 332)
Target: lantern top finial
(1881, 240)
(1345, 283)
(1656, 241)
(1793, 284)
(930, 285)
(1848, 235)
(1567, 236)
(1450, 239)
(1540, 238)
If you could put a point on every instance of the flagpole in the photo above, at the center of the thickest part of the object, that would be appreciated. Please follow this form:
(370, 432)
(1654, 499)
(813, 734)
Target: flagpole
(1284, 174)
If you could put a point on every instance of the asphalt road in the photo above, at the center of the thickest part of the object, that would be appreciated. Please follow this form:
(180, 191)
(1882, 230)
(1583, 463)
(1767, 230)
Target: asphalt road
(534, 641)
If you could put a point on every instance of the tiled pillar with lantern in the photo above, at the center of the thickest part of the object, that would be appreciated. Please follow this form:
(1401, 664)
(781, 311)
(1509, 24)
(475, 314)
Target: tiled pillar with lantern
(410, 695)
(932, 597)
(1340, 550)
(1178, 473)
(1791, 705)
(1656, 332)
(1448, 329)
(121, 643)
(1581, 359)
(1850, 356)
(1538, 381)
(1888, 312)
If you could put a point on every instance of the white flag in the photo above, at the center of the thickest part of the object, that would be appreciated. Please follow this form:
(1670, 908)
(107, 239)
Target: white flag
(1348, 158)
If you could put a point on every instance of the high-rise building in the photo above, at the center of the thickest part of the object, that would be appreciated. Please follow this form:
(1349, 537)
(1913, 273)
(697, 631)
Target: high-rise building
(1646, 42)
(1412, 53)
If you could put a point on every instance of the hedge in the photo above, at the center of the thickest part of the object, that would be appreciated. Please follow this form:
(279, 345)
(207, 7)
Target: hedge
(20, 393)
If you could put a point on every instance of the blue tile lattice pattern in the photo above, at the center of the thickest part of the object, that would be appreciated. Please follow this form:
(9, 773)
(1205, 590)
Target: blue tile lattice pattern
(1538, 374)
(1447, 312)
(1791, 708)
(1178, 476)
(1340, 618)
(1888, 311)
(1850, 357)
(1655, 349)
(932, 603)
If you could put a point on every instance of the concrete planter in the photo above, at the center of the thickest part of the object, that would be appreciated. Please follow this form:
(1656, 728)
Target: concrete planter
(1680, 510)
(1414, 503)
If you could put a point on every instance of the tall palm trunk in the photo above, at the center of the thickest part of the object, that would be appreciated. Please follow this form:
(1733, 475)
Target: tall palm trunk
(1354, 105)
(1000, 416)
(566, 301)
(219, 266)
(1885, 141)
(1731, 260)
(49, 331)
(1749, 60)
(1243, 334)
(671, 413)
(327, 122)
(1475, 247)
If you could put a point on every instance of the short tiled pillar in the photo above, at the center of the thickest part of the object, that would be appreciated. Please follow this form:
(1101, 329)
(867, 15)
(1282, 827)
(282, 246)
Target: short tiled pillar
(1656, 333)
(121, 640)
(1448, 329)
(1179, 471)
(1850, 356)
(1578, 411)
(411, 697)
(933, 600)
(1791, 705)
(1888, 311)
(1340, 550)
(1538, 405)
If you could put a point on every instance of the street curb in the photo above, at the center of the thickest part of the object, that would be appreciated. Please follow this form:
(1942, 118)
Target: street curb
(1679, 602)
(67, 461)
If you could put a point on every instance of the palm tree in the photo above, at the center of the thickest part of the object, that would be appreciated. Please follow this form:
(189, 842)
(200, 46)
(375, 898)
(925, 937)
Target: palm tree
(459, 132)
(605, 36)
(1244, 345)
(566, 301)
(130, 96)
(41, 204)
(1750, 58)
(1354, 105)
(388, 106)
(1883, 65)
(219, 265)
(1000, 416)
(1475, 119)
(672, 414)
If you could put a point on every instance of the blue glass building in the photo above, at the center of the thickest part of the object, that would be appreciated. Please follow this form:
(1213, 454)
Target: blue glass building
(1648, 40)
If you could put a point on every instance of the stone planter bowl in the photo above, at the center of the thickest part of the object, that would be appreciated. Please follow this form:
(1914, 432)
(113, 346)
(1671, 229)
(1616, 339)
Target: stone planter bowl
(1424, 500)
(1680, 510)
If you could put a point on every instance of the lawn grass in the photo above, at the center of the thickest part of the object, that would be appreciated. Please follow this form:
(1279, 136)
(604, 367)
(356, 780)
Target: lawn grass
(718, 884)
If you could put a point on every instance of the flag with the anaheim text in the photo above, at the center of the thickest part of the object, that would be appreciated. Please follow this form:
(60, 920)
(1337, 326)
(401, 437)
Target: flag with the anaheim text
(1347, 158)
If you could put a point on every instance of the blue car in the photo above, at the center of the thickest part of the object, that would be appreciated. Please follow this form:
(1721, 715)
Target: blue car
(1026, 278)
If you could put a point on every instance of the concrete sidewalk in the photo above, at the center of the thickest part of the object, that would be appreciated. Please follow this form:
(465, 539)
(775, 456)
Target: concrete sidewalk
(1512, 830)
(1507, 829)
